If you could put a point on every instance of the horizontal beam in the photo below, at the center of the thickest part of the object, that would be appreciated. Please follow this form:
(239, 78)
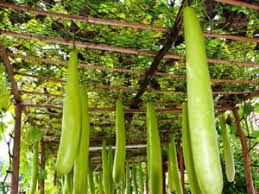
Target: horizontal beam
(134, 146)
(133, 89)
(107, 47)
(121, 70)
(100, 21)
(126, 111)
(157, 102)
(239, 3)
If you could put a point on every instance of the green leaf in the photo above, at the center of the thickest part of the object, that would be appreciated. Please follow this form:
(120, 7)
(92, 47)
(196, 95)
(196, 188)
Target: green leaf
(34, 134)
(4, 102)
(255, 134)
(256, 107)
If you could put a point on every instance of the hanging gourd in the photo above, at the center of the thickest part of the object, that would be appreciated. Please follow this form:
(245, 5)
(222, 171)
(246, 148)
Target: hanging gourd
(173, 167)
(100, 183)
(105, 167)
(71, 121)
(120, 153)
(134, 179)
(203, 139)
(141, 178)
(82, 161)
(153, 152)
(128, 181)
(188, 156)
(68, 185)
(110, 169)
(228, 152)
(91, 180)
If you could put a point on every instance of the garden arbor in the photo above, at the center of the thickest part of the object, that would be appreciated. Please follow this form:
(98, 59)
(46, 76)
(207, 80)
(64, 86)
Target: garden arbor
(137, 59)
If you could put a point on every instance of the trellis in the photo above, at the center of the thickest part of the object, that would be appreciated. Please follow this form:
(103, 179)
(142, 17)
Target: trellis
(21, 106)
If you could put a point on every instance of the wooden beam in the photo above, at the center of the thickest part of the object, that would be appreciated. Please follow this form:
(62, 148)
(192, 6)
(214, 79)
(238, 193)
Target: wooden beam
(121, 70)
(126, 111)
(170, 40)
(10, 73)
(17, 124)
(113, 22)
(240, 4)
(133, 89)
(16, 150)
(248, 176)
(107, 47)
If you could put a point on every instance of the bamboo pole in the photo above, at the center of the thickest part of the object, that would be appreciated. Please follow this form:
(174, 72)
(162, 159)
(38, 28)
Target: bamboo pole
(16, 150)
(248, 176)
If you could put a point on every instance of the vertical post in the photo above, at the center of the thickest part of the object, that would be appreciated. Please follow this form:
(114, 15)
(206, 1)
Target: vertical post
(164, 176)
(249, 180)
(181, 164)
(16, 150)
(42, 167)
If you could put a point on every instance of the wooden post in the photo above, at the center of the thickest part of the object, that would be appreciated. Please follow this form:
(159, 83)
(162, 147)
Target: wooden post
(164, 176)
(181, 163)
(249, 180)
(42, 167)
(16, 149)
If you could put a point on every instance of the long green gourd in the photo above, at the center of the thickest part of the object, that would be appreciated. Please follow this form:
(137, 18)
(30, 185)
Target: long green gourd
(82, 161)
(91, 181)
(170, 181)
(110, 164)
(120, 153)
(228, 152)
(105, 167)
(71, 121)
(128, 182)
(154, 152)
(100, 183)
(134, 178)
(200, 109)
(141, 178)
(35, 164)
(188, 156)
(173, 165)
(68, 186)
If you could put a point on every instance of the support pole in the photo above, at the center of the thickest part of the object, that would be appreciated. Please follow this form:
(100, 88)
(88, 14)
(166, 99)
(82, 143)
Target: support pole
(181, 164)
(248, 176)
(42, 167)
(16, 150)
(164, 176)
